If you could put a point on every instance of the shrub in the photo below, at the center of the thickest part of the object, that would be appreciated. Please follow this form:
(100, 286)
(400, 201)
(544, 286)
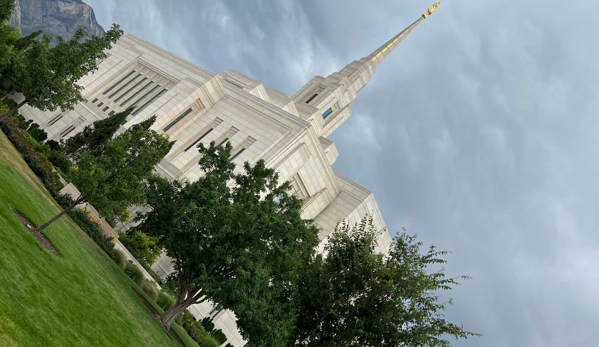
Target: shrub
(64, 200)
(219, 336)
(91, 228)
(37, 133)
(149, 287)
(59, 160)
(207, 323)
(134, 272)
(208, 341)
(36, 161)
(196, 332)
(54, 145)
(185, 320)
(165, 300)
(120, 259)
(143, 247)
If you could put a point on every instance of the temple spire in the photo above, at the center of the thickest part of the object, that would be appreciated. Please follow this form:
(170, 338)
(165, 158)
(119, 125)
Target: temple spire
(332, 96)
(377, 57)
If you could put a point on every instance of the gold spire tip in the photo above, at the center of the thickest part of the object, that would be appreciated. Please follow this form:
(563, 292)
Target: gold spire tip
(431, 10)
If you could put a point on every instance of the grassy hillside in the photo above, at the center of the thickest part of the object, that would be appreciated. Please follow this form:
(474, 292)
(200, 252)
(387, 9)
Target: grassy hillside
(80, 298)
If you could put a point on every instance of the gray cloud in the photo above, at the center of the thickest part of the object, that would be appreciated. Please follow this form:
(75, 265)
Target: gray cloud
(478, 133)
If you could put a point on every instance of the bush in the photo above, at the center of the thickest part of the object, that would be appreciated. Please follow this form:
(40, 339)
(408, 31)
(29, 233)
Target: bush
(143, 247)
(91, 228)
(134, 272)
(64, 200)
(54, 145)
(37, 133)
(207, 323)
(149, 287)
(185, 320)
(59, 160)
(219, 336)
(197, 332)
(119, 258)
(36, 161)
(208, 341)
(165, 300)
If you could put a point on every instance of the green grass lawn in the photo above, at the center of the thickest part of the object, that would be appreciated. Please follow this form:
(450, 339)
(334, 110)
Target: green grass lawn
(80, 298)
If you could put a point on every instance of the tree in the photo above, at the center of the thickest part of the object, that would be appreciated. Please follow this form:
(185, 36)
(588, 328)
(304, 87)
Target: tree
(8, 37)
(115, 180)
(236, 239)
(93, 137)
(47, 76)
(354, 296)
(6, 8)
(141, 246)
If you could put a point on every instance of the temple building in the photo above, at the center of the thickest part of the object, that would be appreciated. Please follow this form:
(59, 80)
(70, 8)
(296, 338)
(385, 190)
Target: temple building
(193, 105)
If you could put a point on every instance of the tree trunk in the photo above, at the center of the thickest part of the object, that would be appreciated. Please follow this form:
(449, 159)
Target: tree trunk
(45, 225)
(172, 313)
(12, 111)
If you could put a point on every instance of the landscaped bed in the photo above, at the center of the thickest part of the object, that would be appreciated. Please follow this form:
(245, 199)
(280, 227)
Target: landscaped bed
(80, 297)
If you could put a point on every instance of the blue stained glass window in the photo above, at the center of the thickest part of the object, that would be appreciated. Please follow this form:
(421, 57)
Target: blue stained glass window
(327, 113)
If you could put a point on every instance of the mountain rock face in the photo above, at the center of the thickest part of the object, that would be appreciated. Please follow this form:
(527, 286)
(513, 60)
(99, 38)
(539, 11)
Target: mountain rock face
(57, 17)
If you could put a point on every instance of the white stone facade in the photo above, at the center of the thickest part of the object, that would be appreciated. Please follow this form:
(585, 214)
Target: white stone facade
(193, 105)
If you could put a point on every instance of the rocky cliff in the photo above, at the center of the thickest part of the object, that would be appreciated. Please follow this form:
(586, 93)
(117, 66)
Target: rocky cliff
(57, 17)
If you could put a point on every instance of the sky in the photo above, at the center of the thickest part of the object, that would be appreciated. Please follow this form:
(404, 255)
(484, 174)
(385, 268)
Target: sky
(479, 133)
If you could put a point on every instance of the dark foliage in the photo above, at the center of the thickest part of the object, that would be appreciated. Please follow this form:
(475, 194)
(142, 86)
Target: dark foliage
(38, 134)
(60, 160)
(6, 7)
(219, 336)
(94, 137)
(54, 145)
(36, 161)
(63, 200)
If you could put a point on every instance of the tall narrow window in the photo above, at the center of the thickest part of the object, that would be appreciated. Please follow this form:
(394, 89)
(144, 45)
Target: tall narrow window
(128, 91)
(177, 120)
(124, 86)
(105, 108)
(55, 119)
(137, 93)
(326, 113)
(312, 98)
(237, 154)
(145, 96)
(150, 102)
(119, 82)
(198, 140)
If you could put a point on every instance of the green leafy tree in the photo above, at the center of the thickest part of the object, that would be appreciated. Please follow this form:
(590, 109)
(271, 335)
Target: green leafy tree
(353, 296)
(6, 8)
(38, 134)
(94, 137)
(47, 76)
(115, 180)
(141, 246)
(236, 239)
(8, 37)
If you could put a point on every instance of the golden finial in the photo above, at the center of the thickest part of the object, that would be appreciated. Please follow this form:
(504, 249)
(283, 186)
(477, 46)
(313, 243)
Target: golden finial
(431, 10)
